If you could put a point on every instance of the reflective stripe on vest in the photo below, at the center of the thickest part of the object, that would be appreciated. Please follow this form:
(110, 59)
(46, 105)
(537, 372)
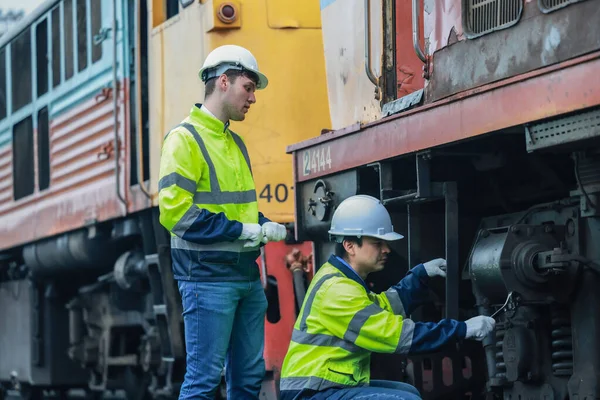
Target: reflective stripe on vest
(235, 246)
(216, 195)
(348, 343)
(308, 382)
(395, 301)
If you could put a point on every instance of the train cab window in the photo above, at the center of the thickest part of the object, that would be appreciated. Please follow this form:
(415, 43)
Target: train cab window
(23, 178)
(2, 83)
(82, 37)
(96, 13)
(162, 10)
(41, 56)
(68, 36)
(172, 8)
(56, 64)
(20, 57)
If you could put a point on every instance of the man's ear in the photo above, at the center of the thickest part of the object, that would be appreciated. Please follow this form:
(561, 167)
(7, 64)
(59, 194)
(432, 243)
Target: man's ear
(222, 82)
(349, 247)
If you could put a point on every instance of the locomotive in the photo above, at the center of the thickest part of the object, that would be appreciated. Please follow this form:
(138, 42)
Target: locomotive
(477, 124)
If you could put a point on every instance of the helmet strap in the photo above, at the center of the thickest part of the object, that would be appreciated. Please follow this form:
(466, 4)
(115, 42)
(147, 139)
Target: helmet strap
(220, 70)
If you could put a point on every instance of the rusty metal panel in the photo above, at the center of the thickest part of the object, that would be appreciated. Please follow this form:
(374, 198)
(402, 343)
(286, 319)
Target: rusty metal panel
(538, 40)
(541, 94)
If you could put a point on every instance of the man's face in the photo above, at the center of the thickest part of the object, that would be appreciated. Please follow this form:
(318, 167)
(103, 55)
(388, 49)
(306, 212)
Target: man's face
(238, 97)
(372, 255)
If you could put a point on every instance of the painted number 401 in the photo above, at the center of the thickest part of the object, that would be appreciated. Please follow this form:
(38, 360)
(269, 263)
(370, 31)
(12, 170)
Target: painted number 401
(317, 160)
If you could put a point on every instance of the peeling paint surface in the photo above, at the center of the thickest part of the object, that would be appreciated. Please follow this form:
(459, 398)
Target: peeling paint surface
(443, 22)
(351, 93)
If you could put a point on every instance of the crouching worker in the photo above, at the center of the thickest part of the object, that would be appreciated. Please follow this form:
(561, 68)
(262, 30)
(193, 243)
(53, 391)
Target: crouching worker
(342, 322)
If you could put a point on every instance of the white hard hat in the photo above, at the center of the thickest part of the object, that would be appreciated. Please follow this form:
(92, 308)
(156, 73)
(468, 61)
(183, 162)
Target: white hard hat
(362, 215)
(228, 57)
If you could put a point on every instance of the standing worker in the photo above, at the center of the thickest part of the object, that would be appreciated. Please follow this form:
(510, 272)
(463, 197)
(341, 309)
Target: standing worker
(207, 200)
(342, 322)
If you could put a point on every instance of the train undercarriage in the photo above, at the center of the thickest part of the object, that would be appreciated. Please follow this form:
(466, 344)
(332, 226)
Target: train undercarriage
(515, 213)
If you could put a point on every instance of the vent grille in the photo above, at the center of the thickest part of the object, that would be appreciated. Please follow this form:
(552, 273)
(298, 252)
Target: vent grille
(486, 16)
(552, 5)
(569, 129)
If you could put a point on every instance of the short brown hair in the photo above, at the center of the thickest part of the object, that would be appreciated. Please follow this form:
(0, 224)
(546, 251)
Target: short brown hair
(340, 251)
(232, 75)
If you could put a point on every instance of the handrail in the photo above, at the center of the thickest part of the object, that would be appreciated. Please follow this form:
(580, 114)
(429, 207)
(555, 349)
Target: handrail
(115, 90)
(415, 30)
(368, 69)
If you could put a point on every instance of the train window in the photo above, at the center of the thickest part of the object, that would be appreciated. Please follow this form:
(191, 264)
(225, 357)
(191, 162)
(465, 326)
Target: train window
(484, 16)
(43, 149)
(172, 8)
(2, 83)
(56, 64)
(23, 178)
(82, 37)
(20, 57)
(41, 56)
(96, 12)
(163, 10)
(552, 5)
(68, 34)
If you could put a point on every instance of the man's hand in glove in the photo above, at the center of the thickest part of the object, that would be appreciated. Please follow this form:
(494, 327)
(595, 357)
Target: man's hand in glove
(479, 327)
(273, 232)
(434, 267)
(252, 234)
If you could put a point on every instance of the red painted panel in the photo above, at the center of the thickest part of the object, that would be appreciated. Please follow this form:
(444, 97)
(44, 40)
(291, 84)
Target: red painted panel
(279, 334)
(409, 68)
(548, 92)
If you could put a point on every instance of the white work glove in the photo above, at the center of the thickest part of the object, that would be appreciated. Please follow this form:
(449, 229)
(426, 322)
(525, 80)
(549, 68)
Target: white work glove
(433, 267)
(251, 234)
(479, 327)
(273, 232)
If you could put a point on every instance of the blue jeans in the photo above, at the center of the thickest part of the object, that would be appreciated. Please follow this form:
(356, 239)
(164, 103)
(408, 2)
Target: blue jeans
(224, 326)
(377, 390)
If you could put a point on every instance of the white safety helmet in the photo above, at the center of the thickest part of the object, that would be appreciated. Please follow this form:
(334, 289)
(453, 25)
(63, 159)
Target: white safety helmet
(228, 57)
(362, 215)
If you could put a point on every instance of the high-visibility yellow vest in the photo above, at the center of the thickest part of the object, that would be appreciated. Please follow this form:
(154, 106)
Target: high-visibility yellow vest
(342, 322)
(206, 192)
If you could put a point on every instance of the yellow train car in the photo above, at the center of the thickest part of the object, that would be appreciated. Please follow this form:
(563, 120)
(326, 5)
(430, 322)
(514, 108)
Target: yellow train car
(285, 37)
